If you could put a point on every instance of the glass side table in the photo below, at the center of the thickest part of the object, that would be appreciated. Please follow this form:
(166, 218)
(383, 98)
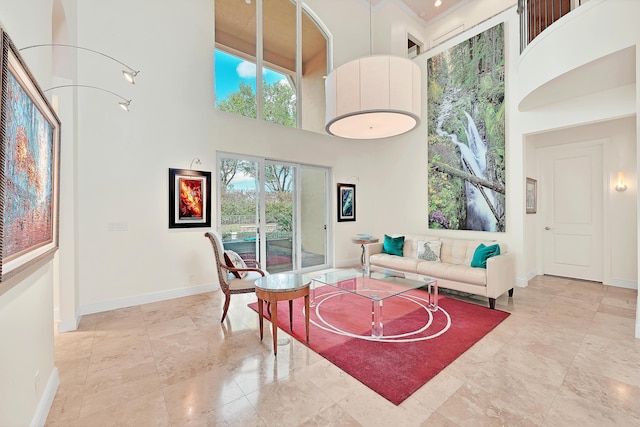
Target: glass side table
(363, 242)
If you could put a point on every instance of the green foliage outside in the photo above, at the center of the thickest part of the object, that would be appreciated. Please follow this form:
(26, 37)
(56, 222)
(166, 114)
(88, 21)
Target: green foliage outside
(279, 103)
(240, 206)
(468, 77)
(279, 106)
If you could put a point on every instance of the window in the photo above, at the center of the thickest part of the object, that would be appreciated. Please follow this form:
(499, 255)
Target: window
(293, 59)
(274, 212)
(414, 47)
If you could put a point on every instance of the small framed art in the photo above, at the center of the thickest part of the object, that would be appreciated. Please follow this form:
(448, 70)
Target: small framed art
(346, 202)
(189, 198)
(532, 196)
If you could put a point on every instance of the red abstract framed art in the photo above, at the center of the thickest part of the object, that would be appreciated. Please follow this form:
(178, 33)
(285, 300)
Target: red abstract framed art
(189, 198)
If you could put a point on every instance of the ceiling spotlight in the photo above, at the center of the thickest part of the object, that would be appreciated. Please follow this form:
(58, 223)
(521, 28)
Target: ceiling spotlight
(124, 104)
(129, 74)
(437, 3)
(247, 1)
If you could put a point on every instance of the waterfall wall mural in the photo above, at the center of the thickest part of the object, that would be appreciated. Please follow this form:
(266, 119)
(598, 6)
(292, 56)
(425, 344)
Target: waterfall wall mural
(466, 136)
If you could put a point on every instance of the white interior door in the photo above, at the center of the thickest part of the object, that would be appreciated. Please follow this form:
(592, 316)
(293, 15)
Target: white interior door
(572, 209)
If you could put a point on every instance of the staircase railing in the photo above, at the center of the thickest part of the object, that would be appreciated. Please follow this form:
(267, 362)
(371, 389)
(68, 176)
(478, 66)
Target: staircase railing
(537, 15)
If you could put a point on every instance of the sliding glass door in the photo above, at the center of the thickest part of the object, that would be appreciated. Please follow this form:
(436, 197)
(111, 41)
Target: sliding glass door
(239, 207)
(280, 215)
(275, 212)
(313, 222)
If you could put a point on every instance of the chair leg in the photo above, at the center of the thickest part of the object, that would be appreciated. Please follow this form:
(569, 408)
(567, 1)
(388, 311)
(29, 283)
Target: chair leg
(226, 307)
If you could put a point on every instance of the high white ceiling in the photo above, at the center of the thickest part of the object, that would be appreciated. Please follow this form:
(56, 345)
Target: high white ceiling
(423, 10)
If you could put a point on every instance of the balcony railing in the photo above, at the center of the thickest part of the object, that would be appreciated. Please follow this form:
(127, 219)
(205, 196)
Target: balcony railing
(537, 15)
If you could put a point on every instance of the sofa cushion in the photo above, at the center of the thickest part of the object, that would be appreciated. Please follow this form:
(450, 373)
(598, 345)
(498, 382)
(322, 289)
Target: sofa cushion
(483, 253)
(455, 272)
(460, 251)
(393, 245)
(411, 241)
(429, 250)
(394, 262)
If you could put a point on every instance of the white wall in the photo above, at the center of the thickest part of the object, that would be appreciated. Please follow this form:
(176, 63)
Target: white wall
(415, 174)
(26, 309)
(620, 247)
(572, 48)
(28, 378)
(530, 220)
(462, 18)
(122, 161)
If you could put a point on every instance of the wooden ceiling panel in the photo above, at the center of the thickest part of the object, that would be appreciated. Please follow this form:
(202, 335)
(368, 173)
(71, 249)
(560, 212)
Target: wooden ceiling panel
(236, 29)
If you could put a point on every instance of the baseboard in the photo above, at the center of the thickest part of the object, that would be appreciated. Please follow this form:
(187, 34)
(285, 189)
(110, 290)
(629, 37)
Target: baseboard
(42, 411)
(348, 263)
(629, 284)
(146, 298)
(531, 275)
(68, 325)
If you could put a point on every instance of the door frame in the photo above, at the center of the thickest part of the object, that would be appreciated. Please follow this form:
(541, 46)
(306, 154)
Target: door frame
(261, 241)
(543, 212)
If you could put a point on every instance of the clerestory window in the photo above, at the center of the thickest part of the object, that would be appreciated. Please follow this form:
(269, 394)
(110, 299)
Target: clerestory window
(283, 40)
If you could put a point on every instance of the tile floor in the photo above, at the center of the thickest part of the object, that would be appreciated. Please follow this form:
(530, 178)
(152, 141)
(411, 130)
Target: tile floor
(566, 356)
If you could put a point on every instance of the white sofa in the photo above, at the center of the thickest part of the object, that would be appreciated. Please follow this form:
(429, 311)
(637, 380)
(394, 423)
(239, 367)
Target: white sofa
(453, 270)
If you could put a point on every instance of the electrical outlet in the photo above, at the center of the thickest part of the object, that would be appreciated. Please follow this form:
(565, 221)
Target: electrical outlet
(117, 226)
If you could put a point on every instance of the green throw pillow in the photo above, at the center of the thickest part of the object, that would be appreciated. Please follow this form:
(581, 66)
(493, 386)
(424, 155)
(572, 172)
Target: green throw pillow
(483, 253)
(393, 245)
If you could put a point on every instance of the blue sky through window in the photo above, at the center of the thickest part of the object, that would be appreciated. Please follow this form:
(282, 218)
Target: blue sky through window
(231, 70)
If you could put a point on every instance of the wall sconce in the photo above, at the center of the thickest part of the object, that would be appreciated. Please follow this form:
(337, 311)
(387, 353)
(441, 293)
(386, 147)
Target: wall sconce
(620, 185)
(124, 104)
(129, 74)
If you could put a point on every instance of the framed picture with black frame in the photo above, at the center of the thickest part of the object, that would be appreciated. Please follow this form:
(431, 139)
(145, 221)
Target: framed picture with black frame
(30, 164)
(189, 198)
(346, 202)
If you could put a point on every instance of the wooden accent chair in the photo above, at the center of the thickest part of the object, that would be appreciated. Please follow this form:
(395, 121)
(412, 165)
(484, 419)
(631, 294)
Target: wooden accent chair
(228, 282)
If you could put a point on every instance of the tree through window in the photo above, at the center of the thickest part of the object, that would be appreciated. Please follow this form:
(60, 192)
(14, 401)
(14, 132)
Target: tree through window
(291, 90)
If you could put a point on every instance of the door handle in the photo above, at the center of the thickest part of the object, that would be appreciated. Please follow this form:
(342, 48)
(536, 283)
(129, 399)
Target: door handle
(547, 228)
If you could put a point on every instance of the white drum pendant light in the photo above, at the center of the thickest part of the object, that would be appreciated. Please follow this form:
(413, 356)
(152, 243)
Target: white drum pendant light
(373, 97)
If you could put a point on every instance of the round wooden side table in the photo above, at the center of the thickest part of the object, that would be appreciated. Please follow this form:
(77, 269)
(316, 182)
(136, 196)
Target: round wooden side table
(282, 287)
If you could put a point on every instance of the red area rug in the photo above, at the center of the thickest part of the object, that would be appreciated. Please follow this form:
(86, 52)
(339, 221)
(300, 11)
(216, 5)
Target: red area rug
(416, 344)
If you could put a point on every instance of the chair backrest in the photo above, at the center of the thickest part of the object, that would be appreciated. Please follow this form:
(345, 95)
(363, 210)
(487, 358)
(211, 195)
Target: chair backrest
(218, 250)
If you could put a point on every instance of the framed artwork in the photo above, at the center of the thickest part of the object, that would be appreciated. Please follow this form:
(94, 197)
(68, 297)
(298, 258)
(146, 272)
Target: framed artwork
(346, 202)
(30, 162)
(189, 198)
(532, 196)
(466, 138)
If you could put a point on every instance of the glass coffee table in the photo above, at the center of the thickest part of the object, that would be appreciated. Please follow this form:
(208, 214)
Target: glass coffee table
(375, 285)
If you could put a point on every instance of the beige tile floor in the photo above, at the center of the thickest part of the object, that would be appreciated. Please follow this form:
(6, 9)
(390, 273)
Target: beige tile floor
(565, 357)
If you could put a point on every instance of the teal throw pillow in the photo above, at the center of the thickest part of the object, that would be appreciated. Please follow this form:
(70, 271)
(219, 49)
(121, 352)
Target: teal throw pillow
(483, 253)
(393, 245)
